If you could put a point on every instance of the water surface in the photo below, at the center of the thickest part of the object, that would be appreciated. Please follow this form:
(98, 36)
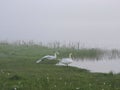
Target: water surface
(104, 66)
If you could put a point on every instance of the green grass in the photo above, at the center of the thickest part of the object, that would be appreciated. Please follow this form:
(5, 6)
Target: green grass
(19, 70)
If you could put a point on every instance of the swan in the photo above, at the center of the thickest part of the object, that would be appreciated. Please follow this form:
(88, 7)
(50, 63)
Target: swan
(49, 57)
(67, 61)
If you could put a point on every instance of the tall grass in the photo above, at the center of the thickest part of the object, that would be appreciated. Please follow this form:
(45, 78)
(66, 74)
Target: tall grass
(40, 49)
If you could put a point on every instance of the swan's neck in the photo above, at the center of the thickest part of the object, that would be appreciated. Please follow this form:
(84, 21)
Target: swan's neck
(70, 55)
(55, 55)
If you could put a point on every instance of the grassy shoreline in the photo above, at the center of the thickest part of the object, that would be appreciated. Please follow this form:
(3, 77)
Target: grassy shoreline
(18, 70)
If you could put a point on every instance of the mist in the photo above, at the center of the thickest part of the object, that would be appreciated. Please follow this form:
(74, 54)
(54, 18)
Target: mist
(93, 22)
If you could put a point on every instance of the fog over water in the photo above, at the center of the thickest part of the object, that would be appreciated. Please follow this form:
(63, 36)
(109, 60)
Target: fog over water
(96, 23)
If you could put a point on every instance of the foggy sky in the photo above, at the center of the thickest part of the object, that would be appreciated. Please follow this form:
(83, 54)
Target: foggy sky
(88, 21)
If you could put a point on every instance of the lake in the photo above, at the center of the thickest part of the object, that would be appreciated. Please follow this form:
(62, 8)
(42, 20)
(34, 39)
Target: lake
(104, 66)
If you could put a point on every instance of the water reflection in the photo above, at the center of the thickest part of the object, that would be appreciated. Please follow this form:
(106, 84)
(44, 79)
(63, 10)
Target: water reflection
(104, 65)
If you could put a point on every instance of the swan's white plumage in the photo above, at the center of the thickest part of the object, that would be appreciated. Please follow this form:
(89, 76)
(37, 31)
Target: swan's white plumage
(66, 61)
(49, 57)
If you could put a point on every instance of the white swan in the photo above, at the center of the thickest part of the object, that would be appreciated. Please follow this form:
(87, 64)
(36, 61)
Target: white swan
(49, 57)
(66, 61)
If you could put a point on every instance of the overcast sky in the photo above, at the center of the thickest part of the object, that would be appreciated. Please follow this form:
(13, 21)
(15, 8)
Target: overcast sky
(88, 21)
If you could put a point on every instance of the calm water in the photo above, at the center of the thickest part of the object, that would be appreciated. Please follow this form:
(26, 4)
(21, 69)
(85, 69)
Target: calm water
(104, 66)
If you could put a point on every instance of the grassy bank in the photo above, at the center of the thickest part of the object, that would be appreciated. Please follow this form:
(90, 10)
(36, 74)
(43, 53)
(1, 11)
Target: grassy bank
(18, 70)
(37, 51)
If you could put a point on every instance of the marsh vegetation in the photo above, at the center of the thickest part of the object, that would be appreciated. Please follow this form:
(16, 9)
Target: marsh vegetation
(18, 70)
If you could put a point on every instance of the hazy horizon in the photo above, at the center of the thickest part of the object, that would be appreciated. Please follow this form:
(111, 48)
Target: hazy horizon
(93, 22)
